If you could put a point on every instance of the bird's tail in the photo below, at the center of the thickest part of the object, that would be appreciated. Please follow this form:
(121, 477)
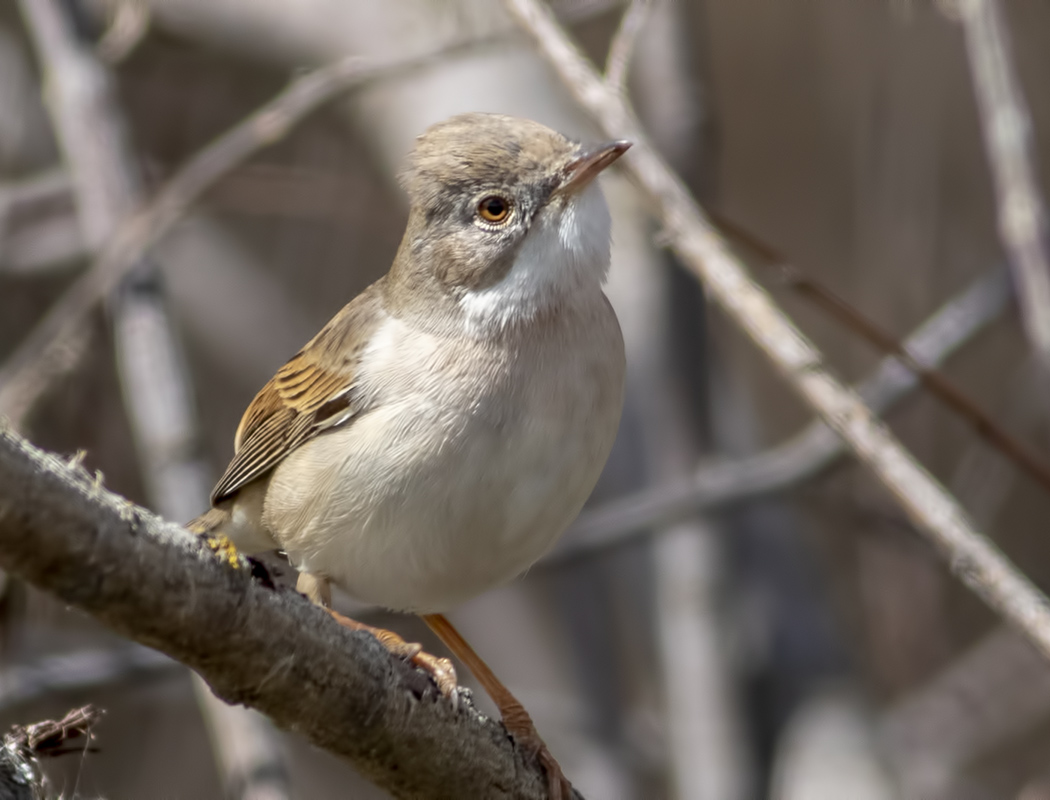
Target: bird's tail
(211, 520)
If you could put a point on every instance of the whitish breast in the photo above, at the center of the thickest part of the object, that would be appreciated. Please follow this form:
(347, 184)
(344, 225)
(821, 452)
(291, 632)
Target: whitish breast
(474, 458)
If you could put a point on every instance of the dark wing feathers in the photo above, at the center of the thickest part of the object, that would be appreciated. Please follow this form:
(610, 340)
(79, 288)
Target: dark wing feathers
(310, 394)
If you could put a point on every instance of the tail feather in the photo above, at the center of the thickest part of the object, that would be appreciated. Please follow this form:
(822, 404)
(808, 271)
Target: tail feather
(209, 521)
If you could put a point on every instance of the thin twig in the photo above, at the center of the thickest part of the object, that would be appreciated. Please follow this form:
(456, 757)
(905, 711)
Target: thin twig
(622, 47)
(802, 456)
(934, 380)
(128, 26)
(42, 356)
(44, 738)
(22, 747)
(934, 512)
(1007, 127)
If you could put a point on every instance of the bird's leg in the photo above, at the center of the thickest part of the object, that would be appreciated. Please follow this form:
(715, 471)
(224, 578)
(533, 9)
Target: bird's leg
(319, 591)
(515, 718)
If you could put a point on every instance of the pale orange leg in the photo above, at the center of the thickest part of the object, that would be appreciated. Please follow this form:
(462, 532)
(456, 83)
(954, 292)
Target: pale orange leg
(515, 718)
(440, 669)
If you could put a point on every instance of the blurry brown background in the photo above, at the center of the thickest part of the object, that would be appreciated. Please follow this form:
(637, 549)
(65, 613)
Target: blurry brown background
(802, 646)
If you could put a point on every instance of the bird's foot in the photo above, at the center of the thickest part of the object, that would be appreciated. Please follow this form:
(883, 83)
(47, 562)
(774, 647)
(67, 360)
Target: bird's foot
(440, 669)
(519, 725)
(515, 718)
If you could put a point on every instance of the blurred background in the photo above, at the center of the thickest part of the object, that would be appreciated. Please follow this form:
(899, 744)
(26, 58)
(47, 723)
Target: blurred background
(797, 640)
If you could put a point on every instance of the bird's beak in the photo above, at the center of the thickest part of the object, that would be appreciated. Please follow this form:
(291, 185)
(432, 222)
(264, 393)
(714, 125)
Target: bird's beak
(591, 160)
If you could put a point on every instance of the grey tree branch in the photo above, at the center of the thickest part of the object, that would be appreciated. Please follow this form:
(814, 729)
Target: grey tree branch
(934, 512)
(989, 696)
(128, 25)
(622, 46)
(31, 241)
(805, 454)
(154, 582)
(1007, 127)
(81, 672)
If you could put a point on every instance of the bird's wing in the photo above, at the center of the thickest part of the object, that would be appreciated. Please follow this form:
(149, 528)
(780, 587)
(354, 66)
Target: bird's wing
(312, 393)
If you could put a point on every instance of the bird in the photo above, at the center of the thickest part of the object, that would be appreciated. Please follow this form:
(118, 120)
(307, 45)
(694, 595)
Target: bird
(438, 435)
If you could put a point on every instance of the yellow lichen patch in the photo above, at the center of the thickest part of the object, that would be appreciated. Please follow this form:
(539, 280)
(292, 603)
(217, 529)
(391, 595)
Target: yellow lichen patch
(221, 545)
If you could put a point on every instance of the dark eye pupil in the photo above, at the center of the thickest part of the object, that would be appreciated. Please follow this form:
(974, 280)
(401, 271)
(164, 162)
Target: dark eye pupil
(494, 206)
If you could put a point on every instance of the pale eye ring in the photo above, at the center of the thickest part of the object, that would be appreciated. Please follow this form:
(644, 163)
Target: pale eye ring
(494, 209)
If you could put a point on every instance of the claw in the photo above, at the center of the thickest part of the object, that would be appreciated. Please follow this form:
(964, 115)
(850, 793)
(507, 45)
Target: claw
(519, 725)
(515, 718)
(440, 669)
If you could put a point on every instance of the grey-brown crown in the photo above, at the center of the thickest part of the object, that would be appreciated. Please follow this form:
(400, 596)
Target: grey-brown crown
(472, 152)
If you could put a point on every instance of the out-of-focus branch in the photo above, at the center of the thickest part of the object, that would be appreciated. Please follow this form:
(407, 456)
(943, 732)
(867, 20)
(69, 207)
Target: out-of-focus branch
(933, 380)
(970, 555)
(128, 25)
(799, 458)
(156, 583)
(80, 672)
(43, 355)
(1007, 126)
(41, 241)
(936, 382)
(992, 694)
(156, 387)
(48, 185)
(622, 46)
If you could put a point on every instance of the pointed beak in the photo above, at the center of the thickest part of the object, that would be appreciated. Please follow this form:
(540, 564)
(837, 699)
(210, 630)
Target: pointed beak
(591, 160)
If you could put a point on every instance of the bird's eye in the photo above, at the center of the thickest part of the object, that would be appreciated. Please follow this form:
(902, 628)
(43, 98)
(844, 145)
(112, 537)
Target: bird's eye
(494, 208)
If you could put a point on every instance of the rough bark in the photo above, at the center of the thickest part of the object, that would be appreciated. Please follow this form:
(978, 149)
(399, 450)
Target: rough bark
(269, 649)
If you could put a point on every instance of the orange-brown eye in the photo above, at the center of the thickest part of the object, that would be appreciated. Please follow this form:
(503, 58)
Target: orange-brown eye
(494, 208)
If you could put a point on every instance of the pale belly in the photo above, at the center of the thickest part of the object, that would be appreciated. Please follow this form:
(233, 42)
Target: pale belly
(417, 507)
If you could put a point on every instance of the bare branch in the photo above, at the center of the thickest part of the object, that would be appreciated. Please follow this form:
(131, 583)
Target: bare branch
(22, 747)
(933, 380)
(1007, 127)
(992, 694)
(802, 456)
(44, 355)
(48, 185)
(80, 672)
(128, 25)
(44, 247)
(622, 47)
(936, 382)
(17, 195)
(156, 583)
(970, 555)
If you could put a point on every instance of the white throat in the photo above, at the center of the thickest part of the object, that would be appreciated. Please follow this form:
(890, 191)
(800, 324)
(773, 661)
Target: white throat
(565, 256)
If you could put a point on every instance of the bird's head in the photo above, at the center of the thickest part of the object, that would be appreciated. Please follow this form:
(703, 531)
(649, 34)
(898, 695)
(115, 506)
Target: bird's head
(506, 219)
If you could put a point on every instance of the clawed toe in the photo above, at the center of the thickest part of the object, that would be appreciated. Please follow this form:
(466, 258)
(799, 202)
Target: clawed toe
(519, 725)
(558, 786)
(440, 669)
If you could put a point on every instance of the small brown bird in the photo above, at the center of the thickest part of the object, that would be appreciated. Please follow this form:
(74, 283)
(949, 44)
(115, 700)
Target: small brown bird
(438, 435)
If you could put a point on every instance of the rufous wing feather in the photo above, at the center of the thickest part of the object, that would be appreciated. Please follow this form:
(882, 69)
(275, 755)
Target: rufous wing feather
(310, 394)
